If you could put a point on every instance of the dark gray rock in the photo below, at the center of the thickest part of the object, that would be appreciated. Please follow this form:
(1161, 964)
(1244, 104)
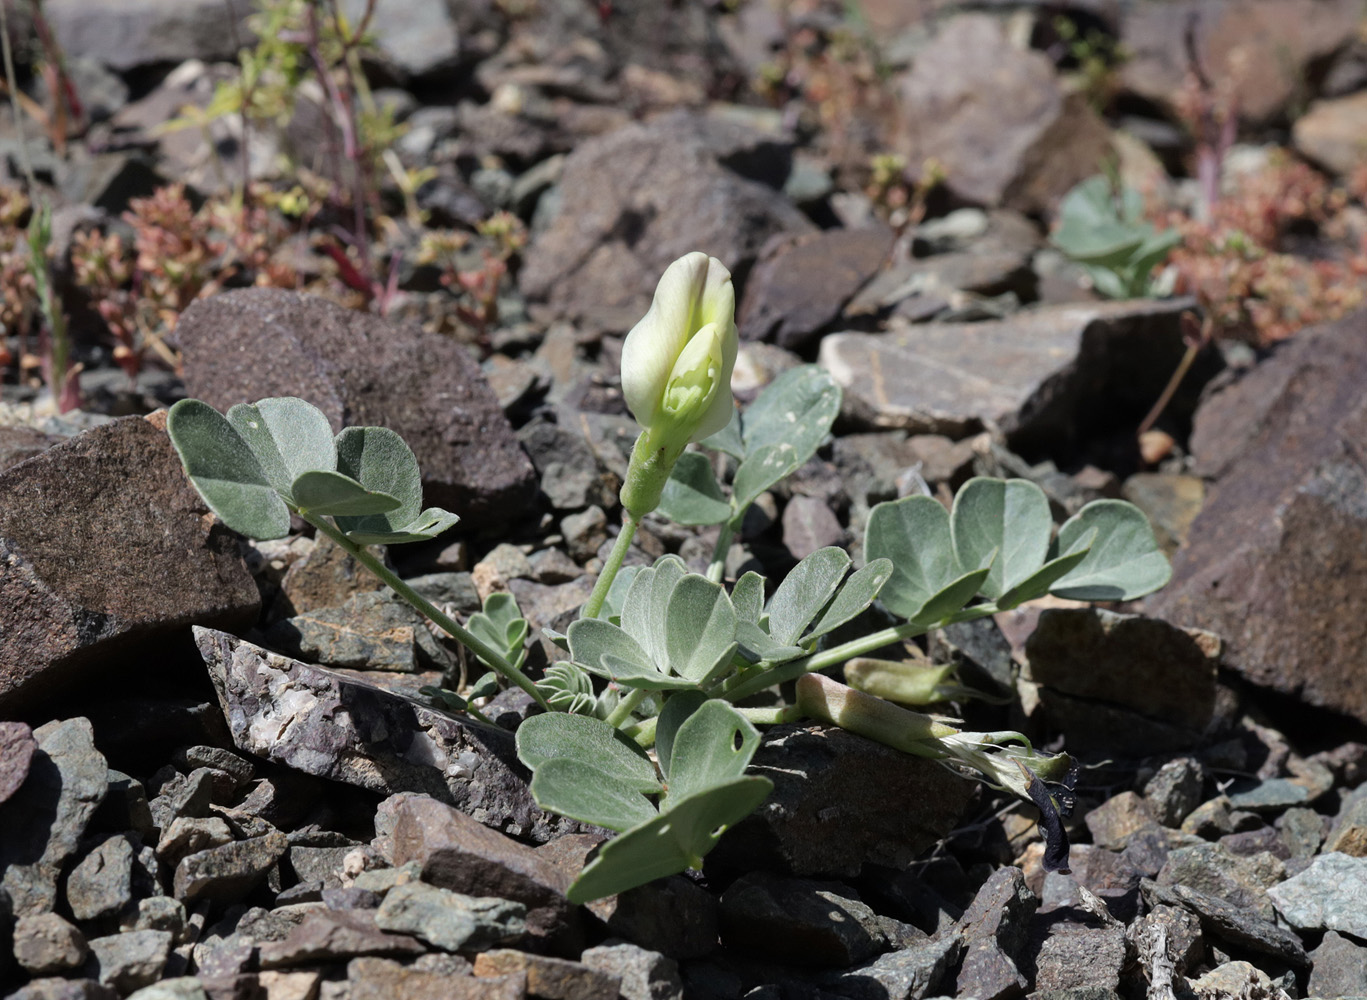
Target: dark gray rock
(455, 589)
(1157, 691)
(46, 818)
(801, 283)
(641, 974)
(330, 935)
(801, 922)
(381, 741)
(672, 915)
(105, 544)
(360, 369)
(1231, 923)
(995, 929)
(187, 796)
(450, 920)
(839, 802)
(1215, 870)
(1113, 823)
(1330, 895)
(370, 631)
(1175, 790)
(131, 960)
(913, 973)
(64, 989)
(190, 835)
(190, 758)
(1282, 537)
(1076, 956)
(230, 871)
(810, 524)
(1340, 968)
(416, 39)
(373, 978)
(1302, 830)
(101, 885)
(631, 203)
(456, 852)
(1039, 376)
(46, 945)
(20, 443)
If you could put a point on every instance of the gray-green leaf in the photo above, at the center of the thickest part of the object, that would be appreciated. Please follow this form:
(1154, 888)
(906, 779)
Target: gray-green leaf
(1007, 517)
(692, 496)
(334, 494)
(591, 741)
(289, 437)
(225, 471)
(1124, 561)
(914, 534)
(804, 592)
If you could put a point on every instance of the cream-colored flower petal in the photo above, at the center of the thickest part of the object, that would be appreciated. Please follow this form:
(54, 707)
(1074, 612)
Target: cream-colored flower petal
(654, 344)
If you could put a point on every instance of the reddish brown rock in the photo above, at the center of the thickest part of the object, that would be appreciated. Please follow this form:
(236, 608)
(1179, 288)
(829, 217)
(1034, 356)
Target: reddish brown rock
(103, 543)
(16, 751)
(1259, 50)
(357, 368)
(997, 118)
(1276, 563)
(801, 283)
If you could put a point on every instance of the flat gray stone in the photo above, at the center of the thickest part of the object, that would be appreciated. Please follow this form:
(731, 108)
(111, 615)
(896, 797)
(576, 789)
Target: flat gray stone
(643, 974)
(230, 871)
(131, 960)
(1035, 375)
(345, 730)
(46, 945)
(451, 920)
(124, 35)
(1330, 895)
(45, 820)
(908, 974)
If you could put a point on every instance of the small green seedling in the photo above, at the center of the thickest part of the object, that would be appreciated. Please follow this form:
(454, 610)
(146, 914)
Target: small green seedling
(1105, 231)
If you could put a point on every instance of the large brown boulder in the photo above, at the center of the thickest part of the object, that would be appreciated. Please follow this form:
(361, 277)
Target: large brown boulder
(1276, 563)
(104, 542)
(360, 369)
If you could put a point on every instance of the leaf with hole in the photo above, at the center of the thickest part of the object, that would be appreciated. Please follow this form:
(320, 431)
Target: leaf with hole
(712, 746)
(225, 471)
(761, 469)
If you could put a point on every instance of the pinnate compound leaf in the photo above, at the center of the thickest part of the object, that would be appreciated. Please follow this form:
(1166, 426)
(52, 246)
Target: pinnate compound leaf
(914, 534)
(712, 746)
(320, 492)
(796, 409)
(1008, 517)
(1124, 561)
(288, 436)
(859, 591)
(691, 495)
(589, 794)
(675, 840)
(379, 460)
(804, 592)
(225, 471)
(591, 742)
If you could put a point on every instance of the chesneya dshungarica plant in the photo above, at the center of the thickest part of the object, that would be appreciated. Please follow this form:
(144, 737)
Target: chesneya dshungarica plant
(648, 728)
(264, 461)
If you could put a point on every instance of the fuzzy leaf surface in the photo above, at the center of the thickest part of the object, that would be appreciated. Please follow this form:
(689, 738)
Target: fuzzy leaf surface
(691, 495)
(1124, 561)
(1008, 517)
(334, 494)
(289, 437)
(804, 592)
(914, 534)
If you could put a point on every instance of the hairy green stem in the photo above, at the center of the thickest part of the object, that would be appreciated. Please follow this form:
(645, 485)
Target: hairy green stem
(624, 708)
(478, 646)
(772, 716)
(619, 552)
(643, 732)
(717, 566)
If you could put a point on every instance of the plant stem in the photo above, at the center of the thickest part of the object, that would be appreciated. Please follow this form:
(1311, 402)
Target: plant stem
(481, 649)
(837, 655)
(718, 564)
(12, 83)
(643, 733)
(1170, 389)
(624, 708)
(772, 716)
(619, 551)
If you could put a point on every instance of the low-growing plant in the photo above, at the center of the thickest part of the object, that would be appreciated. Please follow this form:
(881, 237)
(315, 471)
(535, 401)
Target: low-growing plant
(1103, 229)
(647, 729)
